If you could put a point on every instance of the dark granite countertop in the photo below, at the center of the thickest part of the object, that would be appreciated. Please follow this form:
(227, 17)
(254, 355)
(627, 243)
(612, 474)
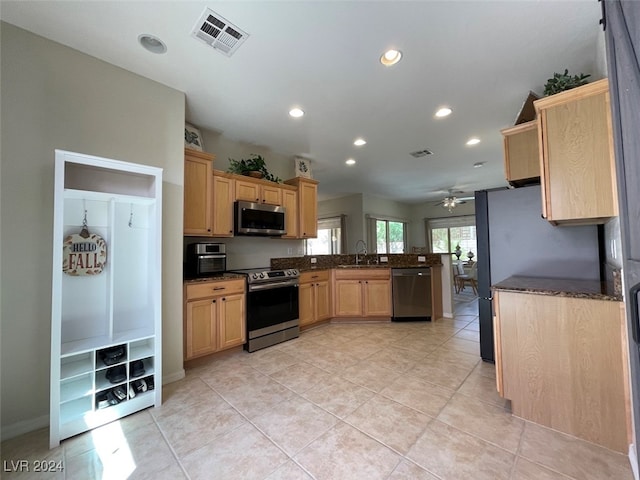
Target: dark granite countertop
(561, 287)
(215, 278)
(365, 267)
(371, 260)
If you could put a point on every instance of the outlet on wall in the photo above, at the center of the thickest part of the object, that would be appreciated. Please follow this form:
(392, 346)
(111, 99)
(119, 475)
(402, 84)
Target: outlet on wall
(314, 260)
(384, 259)
(289, 250)
(422, 258)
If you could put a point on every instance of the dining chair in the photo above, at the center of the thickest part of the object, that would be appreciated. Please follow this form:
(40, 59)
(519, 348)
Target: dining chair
(458, 271)
(469, 278)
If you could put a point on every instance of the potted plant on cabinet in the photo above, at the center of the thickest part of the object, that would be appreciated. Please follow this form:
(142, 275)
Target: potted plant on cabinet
(563, 81)
(255, 166)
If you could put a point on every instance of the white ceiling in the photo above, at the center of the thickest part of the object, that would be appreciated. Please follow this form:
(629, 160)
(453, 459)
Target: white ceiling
(481, 58)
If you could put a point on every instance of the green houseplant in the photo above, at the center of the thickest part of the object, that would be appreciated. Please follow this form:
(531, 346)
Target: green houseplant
(563, 81)
(254, 166)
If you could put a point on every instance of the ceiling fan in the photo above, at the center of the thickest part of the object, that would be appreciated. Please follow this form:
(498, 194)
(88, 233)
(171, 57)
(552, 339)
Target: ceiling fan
(451, 200)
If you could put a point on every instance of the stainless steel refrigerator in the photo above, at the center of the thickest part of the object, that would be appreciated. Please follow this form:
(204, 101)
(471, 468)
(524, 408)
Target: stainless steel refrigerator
(513, 239)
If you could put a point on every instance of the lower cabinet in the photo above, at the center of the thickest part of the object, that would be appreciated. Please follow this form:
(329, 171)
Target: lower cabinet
(214, 317)
(314, 297)
(362, 293)
(562, 362)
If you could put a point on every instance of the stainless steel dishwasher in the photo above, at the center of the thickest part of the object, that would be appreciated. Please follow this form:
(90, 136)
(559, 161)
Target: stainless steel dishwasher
(411, 294)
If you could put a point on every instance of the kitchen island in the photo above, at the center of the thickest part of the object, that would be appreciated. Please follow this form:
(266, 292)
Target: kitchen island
(562, 356)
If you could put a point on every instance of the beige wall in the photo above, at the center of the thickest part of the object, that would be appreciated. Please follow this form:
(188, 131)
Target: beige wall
(56, 97)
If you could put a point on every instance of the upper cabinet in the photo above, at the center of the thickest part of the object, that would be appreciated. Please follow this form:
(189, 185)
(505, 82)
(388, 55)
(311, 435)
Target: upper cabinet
(290, 204)
(307, 206)
(209, 196)
(223, 194)
(576, 155)
(198, 193)
(521, 158)
(258, 191)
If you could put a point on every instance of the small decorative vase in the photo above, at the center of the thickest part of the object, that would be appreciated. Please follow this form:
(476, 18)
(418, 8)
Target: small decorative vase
(458, 252)
(470, 255)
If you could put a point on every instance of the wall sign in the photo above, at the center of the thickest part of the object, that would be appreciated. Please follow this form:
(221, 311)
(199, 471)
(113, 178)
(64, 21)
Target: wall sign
(83, 253)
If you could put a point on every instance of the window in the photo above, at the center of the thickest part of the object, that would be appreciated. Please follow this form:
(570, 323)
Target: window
(329, 239)
(390, 236)
(447, 233)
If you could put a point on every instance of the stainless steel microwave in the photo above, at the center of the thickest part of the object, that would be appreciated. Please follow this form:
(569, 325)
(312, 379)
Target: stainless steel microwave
(259, 219)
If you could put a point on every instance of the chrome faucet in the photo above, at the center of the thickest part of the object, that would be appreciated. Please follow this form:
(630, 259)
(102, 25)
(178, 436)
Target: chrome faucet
(362, 250)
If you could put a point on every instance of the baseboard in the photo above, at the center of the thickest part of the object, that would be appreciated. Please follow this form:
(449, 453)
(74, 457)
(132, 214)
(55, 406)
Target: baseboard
(174, 377)
(25, 426)
(633, 459)
(447, 315)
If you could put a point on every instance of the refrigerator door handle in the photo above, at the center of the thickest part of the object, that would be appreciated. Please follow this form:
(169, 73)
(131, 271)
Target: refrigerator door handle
(635, 320)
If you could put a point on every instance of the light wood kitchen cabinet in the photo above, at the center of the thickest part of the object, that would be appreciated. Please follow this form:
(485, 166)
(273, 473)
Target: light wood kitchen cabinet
(562, 363)
(290, 204)
(521, 157)
(576, 155)
(307, 206)
(362, 292)
(222, 223)
(258, 191)
(198, 193)
(214, 317)
(314, 297)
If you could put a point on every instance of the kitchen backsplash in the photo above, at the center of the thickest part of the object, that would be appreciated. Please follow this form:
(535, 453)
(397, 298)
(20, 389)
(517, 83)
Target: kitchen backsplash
(395, 260)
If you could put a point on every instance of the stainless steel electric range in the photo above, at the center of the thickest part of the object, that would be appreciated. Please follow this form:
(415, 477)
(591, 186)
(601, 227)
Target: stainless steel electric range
(272, 306)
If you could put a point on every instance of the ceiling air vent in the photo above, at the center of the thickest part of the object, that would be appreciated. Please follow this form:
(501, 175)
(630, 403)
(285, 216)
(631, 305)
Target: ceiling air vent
(421, 153)
(214, 30)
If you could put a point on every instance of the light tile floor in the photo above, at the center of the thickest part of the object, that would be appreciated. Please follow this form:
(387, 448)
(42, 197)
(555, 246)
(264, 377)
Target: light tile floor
(343, 401)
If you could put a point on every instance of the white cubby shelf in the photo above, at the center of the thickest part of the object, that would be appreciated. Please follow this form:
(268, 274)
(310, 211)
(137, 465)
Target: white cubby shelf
(119, 307)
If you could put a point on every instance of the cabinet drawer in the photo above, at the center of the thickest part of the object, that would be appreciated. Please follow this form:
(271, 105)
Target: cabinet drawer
(212, 289)
(319, 276)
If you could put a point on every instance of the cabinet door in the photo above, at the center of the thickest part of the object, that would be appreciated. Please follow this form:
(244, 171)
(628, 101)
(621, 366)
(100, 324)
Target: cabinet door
(290, 203)
(306, 301)
(231, 321)
(377, 298)
(200, 334)
(222, 206)
(308, 214)
(521, 158)
(577, 153)
(322, 300)
(247, 191)
(348, 298)
(271, 195)
(197, 196)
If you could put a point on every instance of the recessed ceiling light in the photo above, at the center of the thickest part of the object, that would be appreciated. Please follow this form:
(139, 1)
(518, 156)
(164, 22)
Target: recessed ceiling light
(479, 164)
(296, 112)
(350, 161)
(359, 142)
(152, 43)
(473, 141)
(390, 57)
(443, 112)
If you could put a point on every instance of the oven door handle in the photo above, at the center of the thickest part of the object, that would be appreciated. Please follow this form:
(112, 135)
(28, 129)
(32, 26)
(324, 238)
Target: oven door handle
(272, 285)
(213, 256)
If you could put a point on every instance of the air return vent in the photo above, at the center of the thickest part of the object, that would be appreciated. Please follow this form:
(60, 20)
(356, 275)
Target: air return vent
(421, 153)
(214, 30)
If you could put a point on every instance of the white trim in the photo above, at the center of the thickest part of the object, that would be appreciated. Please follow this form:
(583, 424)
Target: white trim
(25, 426)
(633, 460)
(174, 377)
